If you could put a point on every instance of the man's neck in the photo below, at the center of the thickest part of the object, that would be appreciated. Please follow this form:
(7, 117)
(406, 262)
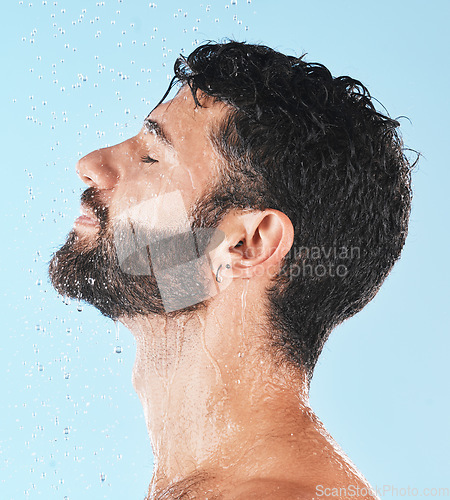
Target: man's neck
(215, 404)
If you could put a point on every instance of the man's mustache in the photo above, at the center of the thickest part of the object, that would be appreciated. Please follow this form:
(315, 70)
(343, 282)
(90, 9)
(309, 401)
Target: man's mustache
(92, 199)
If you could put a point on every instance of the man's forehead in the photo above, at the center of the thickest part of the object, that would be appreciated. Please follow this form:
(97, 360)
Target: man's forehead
(181, 111)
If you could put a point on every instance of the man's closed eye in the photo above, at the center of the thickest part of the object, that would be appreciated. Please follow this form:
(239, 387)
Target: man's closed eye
(148, 159)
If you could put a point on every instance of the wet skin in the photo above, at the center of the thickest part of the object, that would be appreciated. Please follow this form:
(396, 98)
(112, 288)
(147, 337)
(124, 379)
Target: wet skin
(216, 404)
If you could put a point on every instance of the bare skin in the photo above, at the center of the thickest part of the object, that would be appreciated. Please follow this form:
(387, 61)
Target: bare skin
(224, 418)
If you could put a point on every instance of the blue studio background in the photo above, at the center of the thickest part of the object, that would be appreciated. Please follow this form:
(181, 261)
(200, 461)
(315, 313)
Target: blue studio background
(82, 75)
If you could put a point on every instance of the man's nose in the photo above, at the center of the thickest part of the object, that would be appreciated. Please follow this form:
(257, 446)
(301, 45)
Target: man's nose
(103, 168)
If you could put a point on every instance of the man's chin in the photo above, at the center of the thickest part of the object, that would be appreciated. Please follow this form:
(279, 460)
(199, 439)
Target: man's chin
(73, 271)
(87, 269)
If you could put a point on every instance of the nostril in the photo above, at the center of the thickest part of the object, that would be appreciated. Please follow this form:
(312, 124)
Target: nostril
(87, 179)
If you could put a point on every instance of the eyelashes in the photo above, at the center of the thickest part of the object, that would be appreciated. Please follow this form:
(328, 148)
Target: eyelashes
(148, 159)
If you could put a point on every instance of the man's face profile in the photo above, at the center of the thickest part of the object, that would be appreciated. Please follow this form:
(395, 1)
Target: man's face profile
(142, 186)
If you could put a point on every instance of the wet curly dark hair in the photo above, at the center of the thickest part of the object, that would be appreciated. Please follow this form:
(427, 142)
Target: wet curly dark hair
(313, 146)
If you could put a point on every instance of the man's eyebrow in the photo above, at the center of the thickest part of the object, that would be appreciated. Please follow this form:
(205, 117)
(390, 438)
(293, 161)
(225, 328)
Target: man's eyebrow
(155, 128)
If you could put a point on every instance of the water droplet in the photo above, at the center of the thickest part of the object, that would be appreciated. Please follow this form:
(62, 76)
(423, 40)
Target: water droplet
(102, 477)
(118, 349)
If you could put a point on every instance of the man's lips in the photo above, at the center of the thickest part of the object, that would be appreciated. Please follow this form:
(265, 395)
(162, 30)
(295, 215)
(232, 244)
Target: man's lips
(87, 218)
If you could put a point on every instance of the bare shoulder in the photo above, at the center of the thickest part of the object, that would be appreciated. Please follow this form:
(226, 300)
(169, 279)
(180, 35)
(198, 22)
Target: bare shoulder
(269, 489)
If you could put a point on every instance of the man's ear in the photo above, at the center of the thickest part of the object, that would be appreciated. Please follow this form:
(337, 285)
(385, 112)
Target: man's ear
(259, 241)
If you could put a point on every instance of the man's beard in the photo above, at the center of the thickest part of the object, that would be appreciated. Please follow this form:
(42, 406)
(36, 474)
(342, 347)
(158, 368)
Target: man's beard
(88, 268)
